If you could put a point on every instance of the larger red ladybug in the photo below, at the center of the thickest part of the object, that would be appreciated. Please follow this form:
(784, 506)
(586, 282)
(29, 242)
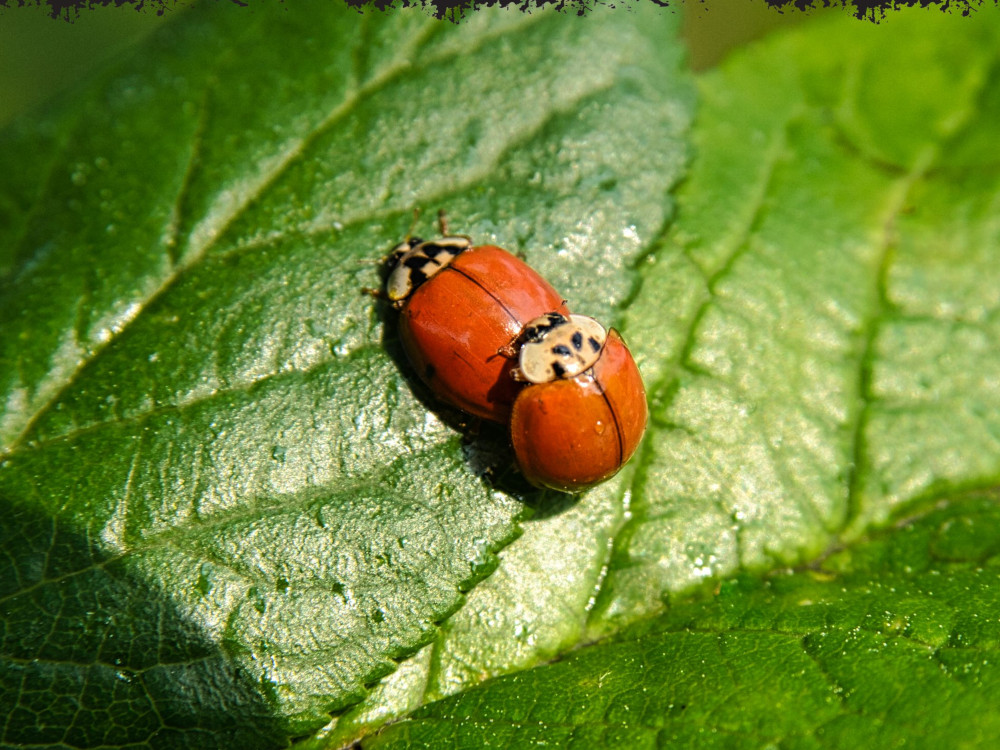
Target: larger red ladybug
(461, 307)
(584, 411)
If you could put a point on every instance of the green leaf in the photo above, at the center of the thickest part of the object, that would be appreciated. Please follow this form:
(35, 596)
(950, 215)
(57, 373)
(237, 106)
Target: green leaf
(817, 331)
(791, 412)
(893, 641)
(225, 508)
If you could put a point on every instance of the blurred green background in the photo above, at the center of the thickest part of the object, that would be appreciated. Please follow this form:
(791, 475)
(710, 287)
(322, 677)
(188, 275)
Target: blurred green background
(41, 56)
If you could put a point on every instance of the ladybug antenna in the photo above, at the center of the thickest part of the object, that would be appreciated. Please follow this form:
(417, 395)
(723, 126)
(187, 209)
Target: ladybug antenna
(413, 224)
(442, 222)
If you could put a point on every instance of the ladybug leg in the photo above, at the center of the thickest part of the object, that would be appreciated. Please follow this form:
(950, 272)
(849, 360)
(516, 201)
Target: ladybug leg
(413, 225)
(511, 348)
(518, 375)
(508, 350)
(381, 296)
(473, 427)
(498, 473)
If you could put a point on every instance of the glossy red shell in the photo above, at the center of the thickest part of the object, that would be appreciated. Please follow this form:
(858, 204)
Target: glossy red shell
(573, 433)
(453, 325)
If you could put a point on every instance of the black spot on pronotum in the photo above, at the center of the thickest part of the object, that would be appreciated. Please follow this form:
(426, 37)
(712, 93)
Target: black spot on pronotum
(433, 250)
(417, 277)
(562, 350)
(577, 341)
(534, 334)
(594, 344)
(558, 369)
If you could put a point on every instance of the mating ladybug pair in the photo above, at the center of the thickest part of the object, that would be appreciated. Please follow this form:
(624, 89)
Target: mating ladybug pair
(492, 337)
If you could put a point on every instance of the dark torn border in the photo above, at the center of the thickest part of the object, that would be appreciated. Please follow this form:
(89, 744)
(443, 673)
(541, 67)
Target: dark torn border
(455, 10)
(875, 10)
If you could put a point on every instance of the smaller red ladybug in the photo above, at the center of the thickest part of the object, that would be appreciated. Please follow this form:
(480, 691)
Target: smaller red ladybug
(583, 412)
(461, 307)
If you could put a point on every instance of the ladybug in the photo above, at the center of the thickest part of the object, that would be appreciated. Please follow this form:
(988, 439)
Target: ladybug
(461, 307)
(583, 411)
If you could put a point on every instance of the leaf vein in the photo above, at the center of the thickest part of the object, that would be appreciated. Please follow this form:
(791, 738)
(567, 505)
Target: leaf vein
(879, 306)
(184, 404)
(739, 245)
